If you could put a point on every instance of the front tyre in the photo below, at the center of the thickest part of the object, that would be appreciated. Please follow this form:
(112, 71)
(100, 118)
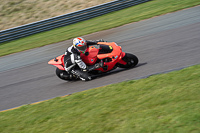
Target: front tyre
(131, 60)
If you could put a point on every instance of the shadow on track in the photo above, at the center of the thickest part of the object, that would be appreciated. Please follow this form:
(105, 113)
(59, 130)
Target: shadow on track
(115, 71)
(118, 70)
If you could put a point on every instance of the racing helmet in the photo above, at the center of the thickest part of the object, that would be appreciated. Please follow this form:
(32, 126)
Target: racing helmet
(80, 44)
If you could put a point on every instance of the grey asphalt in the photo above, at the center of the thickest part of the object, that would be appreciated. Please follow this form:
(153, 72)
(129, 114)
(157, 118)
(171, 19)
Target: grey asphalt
(162, 44)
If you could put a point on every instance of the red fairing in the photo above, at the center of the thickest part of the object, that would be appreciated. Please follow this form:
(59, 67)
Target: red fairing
(121, 61)
(91, 58)
(115, 56)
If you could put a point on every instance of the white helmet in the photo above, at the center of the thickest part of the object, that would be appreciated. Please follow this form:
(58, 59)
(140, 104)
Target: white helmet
(80, 44)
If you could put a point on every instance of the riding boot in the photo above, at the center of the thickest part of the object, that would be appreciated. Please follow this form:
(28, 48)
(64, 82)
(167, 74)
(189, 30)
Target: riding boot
(81, 74)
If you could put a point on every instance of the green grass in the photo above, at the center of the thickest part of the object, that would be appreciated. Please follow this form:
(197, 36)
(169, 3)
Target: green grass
(165, 103)
(132, 14)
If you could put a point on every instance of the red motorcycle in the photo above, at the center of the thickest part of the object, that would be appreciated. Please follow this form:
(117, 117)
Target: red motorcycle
(109, 52)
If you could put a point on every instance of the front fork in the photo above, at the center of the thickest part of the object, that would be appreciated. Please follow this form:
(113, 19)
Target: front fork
(120, 59)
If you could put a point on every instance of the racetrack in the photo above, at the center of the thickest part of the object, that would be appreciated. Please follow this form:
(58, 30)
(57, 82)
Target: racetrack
(162, 44)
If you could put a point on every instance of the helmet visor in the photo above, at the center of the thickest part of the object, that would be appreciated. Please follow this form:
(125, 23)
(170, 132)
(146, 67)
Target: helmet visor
(82, 48)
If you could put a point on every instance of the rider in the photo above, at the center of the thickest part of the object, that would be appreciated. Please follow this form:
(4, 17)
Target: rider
(72, 57)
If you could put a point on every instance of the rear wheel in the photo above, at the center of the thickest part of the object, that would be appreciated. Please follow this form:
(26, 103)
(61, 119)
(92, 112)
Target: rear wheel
(62, 74)
(131, 60)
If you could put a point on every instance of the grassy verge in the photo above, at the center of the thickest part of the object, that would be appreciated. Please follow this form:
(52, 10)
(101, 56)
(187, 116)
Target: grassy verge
(132, 14)
(161, 103)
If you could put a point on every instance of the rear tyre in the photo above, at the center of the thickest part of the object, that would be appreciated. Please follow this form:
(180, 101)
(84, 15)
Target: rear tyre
(62, 74)
(131, 60)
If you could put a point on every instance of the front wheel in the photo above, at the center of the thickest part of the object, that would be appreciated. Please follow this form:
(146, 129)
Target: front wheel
(130, 59)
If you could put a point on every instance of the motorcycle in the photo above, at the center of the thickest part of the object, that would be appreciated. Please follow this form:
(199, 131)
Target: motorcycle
(109, 52)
